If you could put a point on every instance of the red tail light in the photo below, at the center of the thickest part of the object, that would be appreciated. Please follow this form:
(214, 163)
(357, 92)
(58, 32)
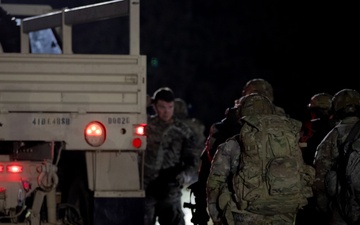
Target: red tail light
(139, 131)
(14, 169)
(95, 134)
(137, 142)
(26, 185)
(1, 168)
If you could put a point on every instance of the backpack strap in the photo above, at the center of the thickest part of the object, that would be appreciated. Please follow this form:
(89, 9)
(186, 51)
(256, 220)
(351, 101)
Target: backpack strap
(237, 138)
(345, 150)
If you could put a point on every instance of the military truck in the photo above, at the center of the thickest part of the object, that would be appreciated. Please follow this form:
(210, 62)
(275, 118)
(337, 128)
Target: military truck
(72, 125)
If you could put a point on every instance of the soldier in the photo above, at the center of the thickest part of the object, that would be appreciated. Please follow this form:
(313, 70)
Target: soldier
(213, 191)
(346, 108)
(315, 129)
(181, 112)
(312, 133)
(225, 204)
(169, 161)
(219, 132)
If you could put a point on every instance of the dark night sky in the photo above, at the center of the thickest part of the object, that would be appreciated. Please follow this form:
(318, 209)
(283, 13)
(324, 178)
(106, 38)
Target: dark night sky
(207, 50)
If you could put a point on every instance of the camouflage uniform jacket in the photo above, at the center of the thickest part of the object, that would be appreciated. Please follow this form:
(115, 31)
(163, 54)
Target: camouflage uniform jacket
(220, 132)
(224, 165)
(325, 156)
(169, 152)
(198, 128)
(312, 133)
(280, 111)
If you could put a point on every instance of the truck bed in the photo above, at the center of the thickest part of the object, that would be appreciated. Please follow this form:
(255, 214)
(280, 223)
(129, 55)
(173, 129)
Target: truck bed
(72, 83)
(47, 97)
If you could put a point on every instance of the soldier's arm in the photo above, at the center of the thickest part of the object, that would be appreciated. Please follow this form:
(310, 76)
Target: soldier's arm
(218, 177)
(190, 155)
(209, 143)
(324, 158)
(154, 154)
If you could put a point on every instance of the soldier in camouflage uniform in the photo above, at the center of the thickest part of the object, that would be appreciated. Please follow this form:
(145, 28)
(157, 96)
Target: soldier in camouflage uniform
(221, 205)
(312, 132)
(346, 108)
(319, 124)
(169, 161)
(181, 112)
(219, 132)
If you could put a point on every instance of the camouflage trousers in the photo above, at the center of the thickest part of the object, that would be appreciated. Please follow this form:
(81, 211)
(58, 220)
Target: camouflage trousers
(167, 209)
(256, 219)
(232, 216)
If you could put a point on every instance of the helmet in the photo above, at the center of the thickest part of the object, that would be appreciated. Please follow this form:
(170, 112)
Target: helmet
(259, 85)
(321, 100)
(254, 104)
(346, 98)
(180, 108)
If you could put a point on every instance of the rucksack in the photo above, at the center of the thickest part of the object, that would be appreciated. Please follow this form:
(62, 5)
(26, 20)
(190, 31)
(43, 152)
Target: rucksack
(272, 177)
(342, 182)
